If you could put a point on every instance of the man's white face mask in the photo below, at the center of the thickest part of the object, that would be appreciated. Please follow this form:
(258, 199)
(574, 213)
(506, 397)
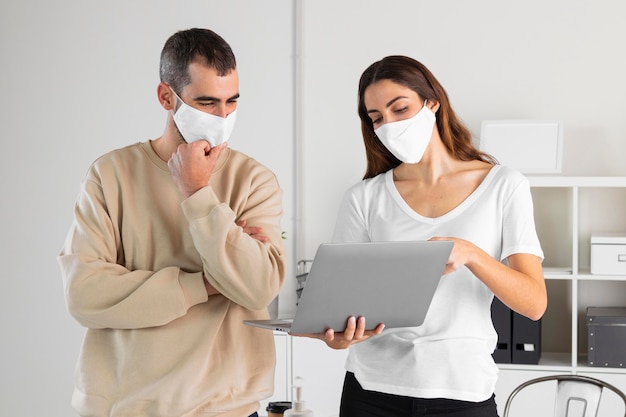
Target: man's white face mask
(407, 139)
(195, 124)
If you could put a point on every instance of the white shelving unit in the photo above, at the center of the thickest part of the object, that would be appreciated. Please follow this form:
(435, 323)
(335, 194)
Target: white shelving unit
(567, 211)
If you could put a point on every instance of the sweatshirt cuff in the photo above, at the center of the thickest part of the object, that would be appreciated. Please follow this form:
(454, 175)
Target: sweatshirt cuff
(193, 287)
(200, 203)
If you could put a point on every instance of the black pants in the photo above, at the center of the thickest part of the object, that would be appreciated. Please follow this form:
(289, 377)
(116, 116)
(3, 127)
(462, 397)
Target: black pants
(357, 402)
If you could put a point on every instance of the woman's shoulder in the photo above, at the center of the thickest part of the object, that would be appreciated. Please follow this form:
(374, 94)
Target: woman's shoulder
(506, 180)
(369, 186)
(507, 173)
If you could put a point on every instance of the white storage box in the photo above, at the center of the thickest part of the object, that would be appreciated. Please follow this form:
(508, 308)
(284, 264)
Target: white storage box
(608, 254)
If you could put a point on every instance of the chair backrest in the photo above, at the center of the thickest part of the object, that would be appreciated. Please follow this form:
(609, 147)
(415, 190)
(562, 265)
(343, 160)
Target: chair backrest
(573, 392)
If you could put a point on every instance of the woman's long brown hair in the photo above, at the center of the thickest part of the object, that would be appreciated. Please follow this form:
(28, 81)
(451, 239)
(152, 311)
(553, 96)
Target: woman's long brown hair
(414, 75)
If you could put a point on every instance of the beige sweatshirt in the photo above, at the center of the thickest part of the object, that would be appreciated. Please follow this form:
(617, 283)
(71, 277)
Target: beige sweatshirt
(156, 344)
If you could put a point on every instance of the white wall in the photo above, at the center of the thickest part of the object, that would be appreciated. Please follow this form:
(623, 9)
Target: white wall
(556, 59)
(79, 78)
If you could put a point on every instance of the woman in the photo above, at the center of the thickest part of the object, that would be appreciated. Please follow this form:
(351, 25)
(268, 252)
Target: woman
(426, 180)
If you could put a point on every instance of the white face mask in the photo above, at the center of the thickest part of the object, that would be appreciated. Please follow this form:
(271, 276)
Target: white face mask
(407, 139)
(195, 125)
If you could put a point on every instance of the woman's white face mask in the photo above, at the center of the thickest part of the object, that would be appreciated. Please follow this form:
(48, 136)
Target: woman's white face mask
(196, 125)
(407, 139)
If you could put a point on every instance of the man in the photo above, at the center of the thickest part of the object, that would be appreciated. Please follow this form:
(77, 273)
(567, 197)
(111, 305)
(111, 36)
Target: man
(174, 243)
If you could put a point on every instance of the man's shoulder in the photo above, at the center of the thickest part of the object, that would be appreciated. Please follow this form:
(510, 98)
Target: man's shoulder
(119, 159)
(239, 160)
(125, 152)
(248, 169)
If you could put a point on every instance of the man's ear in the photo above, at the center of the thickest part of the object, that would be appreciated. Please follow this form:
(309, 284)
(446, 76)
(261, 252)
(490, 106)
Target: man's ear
(166, 96)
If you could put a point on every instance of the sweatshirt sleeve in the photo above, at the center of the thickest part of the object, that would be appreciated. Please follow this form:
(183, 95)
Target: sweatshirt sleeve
(100, 292)
(243, 269)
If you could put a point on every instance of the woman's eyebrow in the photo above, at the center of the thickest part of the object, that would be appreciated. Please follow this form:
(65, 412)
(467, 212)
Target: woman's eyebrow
(387, 105)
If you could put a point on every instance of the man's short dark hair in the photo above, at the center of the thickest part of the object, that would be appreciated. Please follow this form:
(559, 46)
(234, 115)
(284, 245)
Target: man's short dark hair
(194, 45)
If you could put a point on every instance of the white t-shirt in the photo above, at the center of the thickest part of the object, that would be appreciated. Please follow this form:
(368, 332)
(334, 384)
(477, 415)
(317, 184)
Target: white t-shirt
(449, 355)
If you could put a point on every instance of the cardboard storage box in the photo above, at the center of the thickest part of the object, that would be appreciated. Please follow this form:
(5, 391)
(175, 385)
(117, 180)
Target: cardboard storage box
(606, 336)
(608, 254)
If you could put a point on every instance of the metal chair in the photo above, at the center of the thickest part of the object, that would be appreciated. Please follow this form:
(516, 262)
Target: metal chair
(585, 391)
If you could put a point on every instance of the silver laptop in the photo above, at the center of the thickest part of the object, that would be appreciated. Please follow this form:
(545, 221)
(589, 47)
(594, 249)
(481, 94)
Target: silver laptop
(385, 282)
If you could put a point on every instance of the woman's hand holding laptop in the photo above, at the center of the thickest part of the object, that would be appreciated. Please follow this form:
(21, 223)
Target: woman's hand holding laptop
(354, 332)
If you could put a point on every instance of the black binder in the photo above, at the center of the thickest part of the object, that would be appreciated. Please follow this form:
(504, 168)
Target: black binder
(519, 338)
(502, 320)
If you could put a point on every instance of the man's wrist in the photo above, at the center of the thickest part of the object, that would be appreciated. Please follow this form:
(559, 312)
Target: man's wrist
(210, 290)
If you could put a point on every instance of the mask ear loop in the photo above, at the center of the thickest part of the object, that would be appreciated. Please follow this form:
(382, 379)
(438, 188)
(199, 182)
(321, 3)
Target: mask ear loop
(436, 107)
(178, 105)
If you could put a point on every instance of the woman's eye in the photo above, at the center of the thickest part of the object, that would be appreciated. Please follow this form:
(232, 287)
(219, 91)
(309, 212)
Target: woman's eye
(402, 110)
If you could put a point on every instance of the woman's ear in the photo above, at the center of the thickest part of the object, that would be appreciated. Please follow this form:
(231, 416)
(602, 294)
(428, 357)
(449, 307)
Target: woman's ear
(433, 105)
(166, 96)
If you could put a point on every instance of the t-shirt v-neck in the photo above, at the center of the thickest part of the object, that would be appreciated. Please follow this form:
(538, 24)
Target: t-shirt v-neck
(397, 197)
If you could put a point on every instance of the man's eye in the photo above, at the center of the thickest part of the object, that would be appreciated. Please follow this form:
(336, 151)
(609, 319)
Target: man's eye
(207, 104)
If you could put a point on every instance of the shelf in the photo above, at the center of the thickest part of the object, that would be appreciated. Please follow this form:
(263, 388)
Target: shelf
(600, 370)
(549, 361)
(568, 276)
(554, 275)
(556, 272)
(582, 367)
(571, 182)
(590, 277)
